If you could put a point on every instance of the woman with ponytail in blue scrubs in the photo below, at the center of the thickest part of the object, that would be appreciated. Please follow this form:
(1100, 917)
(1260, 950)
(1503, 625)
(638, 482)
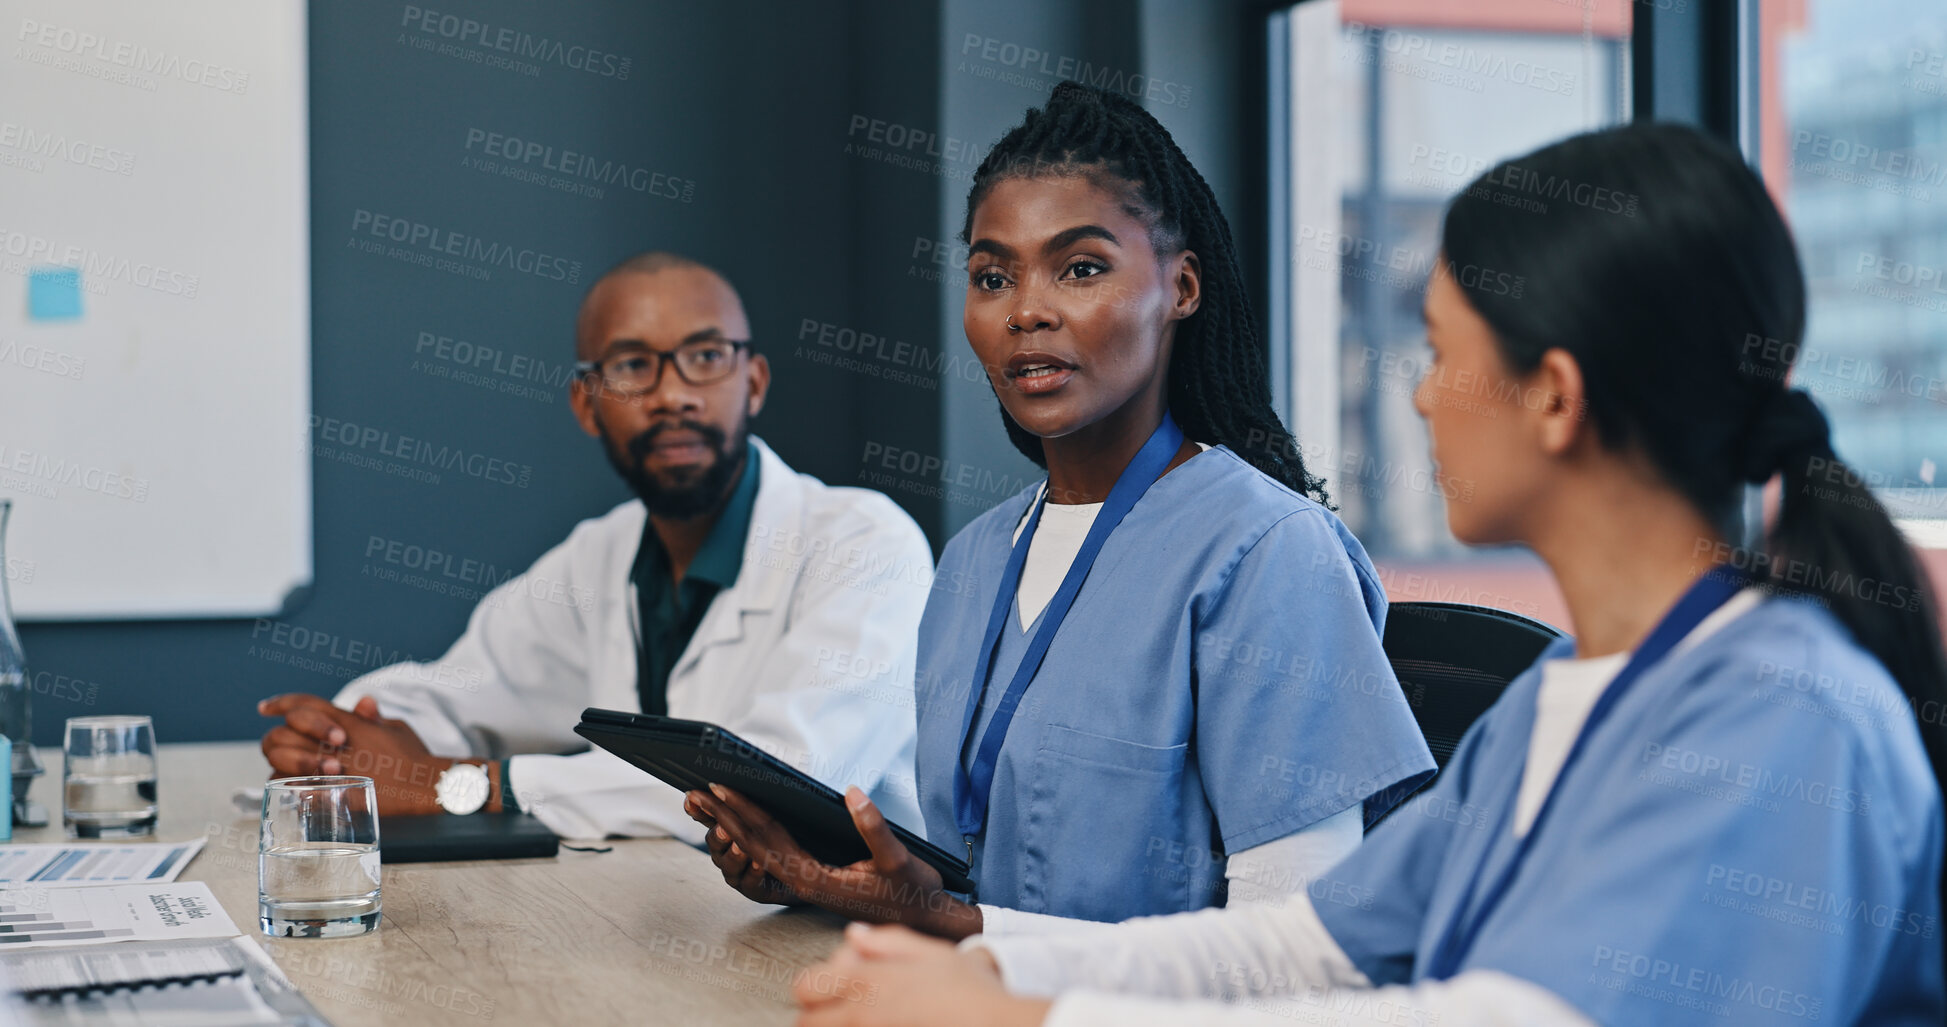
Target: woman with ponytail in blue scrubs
(1154, 681)
(1716, 805)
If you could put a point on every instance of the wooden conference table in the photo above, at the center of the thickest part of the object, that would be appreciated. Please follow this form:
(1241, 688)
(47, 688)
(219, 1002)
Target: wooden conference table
(646, 933)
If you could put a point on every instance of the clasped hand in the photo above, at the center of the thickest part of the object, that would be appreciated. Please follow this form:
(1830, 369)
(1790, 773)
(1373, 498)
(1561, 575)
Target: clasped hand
(319, 738)
(892, 977)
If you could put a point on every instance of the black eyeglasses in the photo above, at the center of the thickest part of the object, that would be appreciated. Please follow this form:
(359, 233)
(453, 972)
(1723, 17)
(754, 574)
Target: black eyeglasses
(635, 372)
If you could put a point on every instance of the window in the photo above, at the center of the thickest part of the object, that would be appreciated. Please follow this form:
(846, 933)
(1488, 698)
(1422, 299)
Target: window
(1854, 130)
(1390, 108)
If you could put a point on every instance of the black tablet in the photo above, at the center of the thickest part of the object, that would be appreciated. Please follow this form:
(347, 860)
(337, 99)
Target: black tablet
(691, 755)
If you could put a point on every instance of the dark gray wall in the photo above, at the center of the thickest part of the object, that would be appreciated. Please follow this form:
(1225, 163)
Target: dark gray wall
(820, 156)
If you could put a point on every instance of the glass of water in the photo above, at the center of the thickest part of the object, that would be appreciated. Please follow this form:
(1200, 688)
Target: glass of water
(318, 858)
(109, 778)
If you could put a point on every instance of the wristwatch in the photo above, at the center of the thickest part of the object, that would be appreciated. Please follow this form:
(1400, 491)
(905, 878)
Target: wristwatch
(462, 788)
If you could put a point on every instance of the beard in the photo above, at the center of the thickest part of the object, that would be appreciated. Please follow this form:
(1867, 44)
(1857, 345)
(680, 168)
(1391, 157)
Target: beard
(684, 493)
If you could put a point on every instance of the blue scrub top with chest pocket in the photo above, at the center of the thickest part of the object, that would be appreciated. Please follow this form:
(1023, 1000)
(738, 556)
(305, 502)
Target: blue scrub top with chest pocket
(1218, 684)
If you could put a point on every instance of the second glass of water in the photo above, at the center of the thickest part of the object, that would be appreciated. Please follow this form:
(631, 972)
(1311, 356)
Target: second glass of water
(109, 777)
(318, 858)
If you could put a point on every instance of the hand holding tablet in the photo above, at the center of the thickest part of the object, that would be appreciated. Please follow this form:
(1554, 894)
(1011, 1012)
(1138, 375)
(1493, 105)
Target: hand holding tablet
(691, 756)
(891, 885)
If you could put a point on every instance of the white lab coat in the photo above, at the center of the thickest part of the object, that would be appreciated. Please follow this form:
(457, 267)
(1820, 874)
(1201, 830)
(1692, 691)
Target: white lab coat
(809, 654)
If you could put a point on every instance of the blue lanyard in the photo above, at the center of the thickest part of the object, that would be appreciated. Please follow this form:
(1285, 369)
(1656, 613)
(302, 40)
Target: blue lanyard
(1711, 591)
(973, 786)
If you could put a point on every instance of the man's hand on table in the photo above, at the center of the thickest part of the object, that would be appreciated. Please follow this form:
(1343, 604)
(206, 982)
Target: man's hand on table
(319, 738)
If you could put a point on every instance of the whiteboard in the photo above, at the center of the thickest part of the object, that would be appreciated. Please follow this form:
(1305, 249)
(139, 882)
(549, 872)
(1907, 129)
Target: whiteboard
(154, 307)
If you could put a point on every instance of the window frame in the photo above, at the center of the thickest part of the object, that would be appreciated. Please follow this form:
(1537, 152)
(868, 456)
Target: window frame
(1695, 62)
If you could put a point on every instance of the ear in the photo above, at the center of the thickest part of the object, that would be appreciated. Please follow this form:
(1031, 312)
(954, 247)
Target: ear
(581, 399)
(760, 384)
(1189, 285)
(1557, 400)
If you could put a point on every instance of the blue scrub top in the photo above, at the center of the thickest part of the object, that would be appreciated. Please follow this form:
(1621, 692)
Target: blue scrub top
(1752, 836)
(1218, 684)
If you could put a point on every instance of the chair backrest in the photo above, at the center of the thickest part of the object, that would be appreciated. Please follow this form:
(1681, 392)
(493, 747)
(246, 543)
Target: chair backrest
(1454, 660)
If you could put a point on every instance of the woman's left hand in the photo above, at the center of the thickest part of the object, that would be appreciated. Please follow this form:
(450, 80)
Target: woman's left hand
(894, 977)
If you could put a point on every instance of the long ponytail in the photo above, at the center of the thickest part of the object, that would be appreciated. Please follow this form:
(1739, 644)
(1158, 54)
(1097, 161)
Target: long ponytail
(1835, 542)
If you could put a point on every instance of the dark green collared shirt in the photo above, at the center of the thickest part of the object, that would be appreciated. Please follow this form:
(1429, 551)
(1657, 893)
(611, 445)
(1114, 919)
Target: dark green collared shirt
(669, 611)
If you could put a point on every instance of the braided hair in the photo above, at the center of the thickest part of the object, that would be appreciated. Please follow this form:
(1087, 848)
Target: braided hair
(1219, 386)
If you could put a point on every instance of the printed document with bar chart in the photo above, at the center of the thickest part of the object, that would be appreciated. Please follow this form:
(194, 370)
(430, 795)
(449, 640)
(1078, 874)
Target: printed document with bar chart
(124, 912)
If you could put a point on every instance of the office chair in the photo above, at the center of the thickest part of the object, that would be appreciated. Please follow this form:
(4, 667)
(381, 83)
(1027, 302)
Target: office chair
(1453, 661)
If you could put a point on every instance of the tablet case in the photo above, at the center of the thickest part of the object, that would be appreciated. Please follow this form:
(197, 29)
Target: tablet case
(445, 837)
(691, 755)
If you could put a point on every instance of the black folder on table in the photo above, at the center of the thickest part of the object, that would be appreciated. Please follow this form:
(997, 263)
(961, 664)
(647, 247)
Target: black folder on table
(445, 837)
(692, 755)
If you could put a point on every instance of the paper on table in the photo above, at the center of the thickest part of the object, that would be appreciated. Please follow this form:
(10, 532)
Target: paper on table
(85, 863)
(223, 1002)
(71, 968)
(122, 912)
(185, 982)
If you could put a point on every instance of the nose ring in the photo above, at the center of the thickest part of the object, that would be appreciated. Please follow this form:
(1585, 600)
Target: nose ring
(1011, 326)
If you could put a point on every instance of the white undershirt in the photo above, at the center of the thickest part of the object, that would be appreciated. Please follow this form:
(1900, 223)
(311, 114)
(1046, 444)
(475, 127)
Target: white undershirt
(1057, 539)
(1264, 874)
(1157, 971)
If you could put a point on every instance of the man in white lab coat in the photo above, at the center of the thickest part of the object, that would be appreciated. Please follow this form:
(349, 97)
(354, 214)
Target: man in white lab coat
(732, 590)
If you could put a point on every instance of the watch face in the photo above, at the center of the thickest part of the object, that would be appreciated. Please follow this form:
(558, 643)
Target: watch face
(462, 788)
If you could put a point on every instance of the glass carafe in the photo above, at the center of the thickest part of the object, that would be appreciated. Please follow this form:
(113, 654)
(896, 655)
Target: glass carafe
(16, 714)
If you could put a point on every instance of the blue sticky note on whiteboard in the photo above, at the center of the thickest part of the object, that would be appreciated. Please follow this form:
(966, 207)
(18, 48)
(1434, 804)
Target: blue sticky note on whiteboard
(53, 294)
